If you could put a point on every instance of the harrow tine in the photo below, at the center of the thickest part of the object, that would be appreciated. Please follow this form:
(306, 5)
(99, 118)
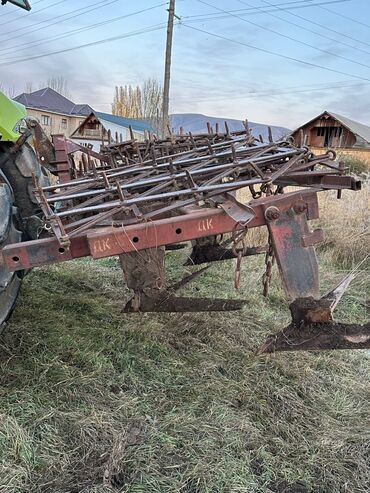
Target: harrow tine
(187, 279)
(214, 253)
(336, 294)
(167, 302)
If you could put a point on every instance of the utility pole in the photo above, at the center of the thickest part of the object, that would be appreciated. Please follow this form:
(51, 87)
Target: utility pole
(167, 68)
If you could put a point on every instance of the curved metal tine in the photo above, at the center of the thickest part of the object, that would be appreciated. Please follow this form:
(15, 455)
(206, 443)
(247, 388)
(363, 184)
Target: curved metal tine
(221, 187)
(335, 295)
(196, 170)
(118, 172)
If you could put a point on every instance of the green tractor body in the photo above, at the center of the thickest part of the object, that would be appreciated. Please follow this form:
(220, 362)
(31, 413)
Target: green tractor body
(12, 116)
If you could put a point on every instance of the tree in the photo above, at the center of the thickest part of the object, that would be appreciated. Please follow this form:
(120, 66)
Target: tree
(143, 102)
(59, 84)
(28, 87)
(152, 99)
(127, 101)
(7, 90)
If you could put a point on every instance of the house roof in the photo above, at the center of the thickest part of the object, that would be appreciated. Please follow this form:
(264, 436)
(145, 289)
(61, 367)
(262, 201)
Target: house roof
(49, 100)
(359, 129)
(116, 123)
(138, 125)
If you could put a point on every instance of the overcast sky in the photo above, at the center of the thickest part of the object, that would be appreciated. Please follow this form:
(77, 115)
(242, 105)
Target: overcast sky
(217, 69)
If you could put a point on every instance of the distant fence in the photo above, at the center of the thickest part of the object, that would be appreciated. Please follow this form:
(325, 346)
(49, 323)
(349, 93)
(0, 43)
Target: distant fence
(363, 154)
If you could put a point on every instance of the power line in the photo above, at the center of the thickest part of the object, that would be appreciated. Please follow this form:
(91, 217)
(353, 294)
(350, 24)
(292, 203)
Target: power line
(280, 55)
(254, 10)
(278, 92)
(58, 19)
(345, 16)
(326, 28)
(216, 16)
(77, 31)
(17, 13)
(273, 92)
(286, 36)
(317, 33)
(155, 27)
(34, 12)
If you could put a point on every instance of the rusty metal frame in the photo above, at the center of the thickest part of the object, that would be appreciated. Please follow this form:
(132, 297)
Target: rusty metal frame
(110, 241)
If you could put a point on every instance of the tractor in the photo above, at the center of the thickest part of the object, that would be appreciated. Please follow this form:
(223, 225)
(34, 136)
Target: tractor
(19, 212)
(18, 208)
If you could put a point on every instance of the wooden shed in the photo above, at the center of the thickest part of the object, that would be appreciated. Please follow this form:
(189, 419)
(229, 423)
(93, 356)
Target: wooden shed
(333, 130)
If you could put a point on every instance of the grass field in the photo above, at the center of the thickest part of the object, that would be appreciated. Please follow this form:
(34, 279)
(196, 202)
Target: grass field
(95, 401)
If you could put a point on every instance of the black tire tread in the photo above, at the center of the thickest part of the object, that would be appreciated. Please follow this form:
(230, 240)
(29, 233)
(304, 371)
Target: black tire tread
(9, 293)
(22, 185)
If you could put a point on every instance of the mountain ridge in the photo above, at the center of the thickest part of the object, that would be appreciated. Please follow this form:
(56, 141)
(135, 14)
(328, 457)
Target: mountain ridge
(197, 123)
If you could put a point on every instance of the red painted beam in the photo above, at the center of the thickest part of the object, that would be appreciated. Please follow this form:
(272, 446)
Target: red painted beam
(106, 242)
(36, 253)
(115, 241)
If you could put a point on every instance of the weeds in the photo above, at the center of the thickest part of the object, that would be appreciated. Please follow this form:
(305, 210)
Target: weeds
(355, 164)
(346, 223)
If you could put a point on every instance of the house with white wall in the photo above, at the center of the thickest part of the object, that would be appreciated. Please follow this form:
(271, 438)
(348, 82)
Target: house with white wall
(101, 127)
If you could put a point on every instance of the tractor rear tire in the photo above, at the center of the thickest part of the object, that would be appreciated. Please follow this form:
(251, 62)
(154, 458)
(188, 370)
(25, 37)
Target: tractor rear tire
(10, 282)
(19, 223)
(19, 170)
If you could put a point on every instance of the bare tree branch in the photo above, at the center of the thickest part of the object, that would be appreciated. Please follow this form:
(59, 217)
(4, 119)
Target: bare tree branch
(8, 91)
(143, 102)
(58, 84)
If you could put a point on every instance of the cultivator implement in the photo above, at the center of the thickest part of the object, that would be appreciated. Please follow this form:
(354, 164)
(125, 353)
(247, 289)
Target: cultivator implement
(135, 199)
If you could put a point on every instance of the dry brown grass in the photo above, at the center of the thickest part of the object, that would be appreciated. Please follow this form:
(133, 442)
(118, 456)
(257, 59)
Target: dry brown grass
(346, 223)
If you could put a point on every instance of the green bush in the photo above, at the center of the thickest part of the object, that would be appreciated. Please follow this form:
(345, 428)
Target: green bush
(356, 165)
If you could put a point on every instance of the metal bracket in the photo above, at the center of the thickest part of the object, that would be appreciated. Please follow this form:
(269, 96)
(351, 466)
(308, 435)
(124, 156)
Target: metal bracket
(239, 212)
(297, 262)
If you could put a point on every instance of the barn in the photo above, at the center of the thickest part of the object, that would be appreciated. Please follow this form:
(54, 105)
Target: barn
(334, 131)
